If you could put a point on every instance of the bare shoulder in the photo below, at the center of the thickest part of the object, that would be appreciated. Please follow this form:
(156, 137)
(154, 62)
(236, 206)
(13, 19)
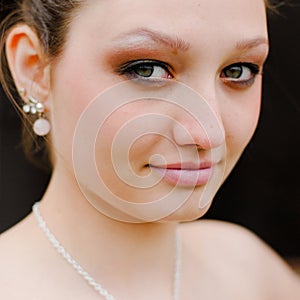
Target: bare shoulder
(17, 260)
(236, 249)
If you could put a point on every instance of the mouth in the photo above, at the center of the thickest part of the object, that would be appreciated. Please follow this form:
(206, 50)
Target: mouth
(185, 174)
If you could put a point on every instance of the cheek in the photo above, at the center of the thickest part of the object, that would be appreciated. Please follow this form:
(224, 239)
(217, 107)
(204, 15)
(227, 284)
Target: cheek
(70, 95)
(122, 154)
(240, 121)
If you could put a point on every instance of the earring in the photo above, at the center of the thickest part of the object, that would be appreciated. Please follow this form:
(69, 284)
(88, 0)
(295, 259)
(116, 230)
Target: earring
(41, 126)
(22, 92)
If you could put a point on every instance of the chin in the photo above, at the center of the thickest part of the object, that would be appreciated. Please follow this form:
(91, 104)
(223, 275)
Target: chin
(187, 213)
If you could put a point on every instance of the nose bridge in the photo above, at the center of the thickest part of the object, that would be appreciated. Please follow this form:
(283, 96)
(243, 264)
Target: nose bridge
(204, 83)
(202, 126)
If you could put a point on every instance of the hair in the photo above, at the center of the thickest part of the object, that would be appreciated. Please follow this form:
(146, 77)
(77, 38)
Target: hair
(50, 19)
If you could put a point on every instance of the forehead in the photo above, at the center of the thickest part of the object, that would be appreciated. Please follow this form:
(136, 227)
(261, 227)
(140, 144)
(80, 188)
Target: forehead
(205, 10)
(203, 22)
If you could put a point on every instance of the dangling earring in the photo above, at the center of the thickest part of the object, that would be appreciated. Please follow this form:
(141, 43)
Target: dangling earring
(22, 92)
(41, 126)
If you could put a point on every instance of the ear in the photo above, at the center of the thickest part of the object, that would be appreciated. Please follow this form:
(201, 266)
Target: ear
(27, 62)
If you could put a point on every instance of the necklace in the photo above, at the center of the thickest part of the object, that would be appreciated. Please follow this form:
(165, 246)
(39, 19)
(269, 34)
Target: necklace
(86, 276)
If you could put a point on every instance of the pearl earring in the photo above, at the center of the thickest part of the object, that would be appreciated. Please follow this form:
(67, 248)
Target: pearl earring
(22, 91)
(41, 126)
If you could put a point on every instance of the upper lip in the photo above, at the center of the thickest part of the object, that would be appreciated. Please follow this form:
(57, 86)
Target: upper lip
(186, 166)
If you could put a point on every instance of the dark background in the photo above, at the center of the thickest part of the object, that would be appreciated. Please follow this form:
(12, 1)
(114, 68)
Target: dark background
(263, 191)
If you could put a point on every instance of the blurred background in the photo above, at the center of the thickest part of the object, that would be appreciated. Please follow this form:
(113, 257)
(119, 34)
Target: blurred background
(263, 191)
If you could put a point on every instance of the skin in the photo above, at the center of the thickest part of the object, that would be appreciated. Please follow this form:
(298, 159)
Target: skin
(116, 253)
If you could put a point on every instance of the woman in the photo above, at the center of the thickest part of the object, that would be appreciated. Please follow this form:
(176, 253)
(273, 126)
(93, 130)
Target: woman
(151, 104)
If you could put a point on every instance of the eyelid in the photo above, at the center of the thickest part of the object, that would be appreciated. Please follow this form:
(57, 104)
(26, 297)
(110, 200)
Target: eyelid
(128, 69)
(255, 69)
(137, 62)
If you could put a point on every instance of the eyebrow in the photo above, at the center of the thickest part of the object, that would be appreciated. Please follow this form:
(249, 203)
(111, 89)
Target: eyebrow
(130, 38)
(154, 36)
(245, 45)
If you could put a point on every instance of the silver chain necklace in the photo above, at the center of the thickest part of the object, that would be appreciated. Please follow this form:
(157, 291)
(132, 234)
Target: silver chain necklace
(86, 276)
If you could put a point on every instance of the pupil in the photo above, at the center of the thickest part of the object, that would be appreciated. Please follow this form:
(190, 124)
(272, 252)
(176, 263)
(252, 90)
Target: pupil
(145, 71)
(234, 72)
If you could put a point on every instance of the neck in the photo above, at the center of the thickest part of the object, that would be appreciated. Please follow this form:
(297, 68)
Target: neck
(105, 247)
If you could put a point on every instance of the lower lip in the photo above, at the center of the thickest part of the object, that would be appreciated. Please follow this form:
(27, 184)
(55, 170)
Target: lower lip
(184, 177)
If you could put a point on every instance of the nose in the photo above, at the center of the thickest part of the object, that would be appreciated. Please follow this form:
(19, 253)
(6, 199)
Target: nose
(200, 126)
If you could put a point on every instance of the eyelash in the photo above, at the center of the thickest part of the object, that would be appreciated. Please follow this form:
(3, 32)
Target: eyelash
(253, 69)
(131, 68)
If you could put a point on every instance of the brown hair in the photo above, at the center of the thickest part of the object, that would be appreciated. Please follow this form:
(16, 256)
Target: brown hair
(50, 19)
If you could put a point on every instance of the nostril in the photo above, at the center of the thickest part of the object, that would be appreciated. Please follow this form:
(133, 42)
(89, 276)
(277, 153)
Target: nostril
(193, 134)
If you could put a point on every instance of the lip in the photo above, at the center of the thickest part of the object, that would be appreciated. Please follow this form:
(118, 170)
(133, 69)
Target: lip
(185, 174)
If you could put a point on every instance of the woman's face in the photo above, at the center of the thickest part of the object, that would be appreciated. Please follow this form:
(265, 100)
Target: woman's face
(215, 47)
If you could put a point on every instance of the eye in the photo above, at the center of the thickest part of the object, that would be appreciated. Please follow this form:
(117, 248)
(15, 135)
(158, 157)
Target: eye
(242, 74)
(146, 70)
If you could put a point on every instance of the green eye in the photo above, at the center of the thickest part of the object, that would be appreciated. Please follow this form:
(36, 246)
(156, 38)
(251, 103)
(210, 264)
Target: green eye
(240, 73)
(147, 70)
(144, 71)
(234, 72)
